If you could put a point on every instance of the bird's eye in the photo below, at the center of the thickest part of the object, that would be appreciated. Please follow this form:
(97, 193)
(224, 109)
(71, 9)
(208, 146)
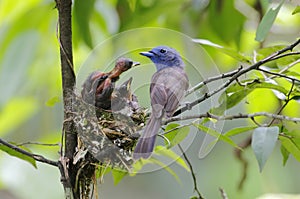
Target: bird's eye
(162, 50)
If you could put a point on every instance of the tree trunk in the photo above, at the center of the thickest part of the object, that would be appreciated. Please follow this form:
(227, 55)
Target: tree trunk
(68, 170)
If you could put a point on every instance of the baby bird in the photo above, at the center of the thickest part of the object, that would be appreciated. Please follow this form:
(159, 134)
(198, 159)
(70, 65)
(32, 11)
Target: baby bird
(99, 86)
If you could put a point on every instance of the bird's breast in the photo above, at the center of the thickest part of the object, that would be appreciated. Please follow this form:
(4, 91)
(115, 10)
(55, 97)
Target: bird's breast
(173, 78)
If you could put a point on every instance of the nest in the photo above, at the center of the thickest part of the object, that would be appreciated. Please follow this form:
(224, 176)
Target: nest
(109, 136)
(105, 138)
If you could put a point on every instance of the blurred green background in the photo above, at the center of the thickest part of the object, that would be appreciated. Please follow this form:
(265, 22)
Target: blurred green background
(30, 83)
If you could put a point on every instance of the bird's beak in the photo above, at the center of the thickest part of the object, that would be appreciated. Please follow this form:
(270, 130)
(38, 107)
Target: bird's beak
(128, 83)
(135, 64)
(147, 54)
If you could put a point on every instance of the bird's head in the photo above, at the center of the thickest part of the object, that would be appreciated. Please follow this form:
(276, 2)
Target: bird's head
(123, 64)
(164, 56)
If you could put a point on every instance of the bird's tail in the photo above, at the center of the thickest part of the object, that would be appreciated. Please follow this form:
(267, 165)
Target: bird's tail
(146, 142)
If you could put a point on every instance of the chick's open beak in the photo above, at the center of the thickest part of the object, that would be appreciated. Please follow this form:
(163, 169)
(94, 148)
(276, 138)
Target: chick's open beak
(135, 64)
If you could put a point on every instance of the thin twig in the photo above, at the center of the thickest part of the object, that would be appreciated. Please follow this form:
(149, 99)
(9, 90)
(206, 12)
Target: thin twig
(285, 104)
(255, 122)
(192, 172)
(211, 79)
(286, 68)
(279, 75)
(37, 143)
(285, 55)
(223, 193)
(38, 158)
(232, 117)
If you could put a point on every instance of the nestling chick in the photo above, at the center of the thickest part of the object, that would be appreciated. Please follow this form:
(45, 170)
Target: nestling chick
(98, 87)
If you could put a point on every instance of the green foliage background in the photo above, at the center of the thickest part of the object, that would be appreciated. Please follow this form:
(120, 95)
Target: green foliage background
(30, 83)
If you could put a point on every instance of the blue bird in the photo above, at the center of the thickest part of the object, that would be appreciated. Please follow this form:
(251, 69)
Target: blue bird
(167, 88)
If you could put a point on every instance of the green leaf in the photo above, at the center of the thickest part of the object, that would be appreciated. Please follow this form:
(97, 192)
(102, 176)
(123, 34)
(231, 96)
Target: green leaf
(216, 134)
(82, 13)
(291, 145)
(292, 73)
(168, 169)
(52, 101)
(261, 53)
(132, 4)
(118, 175)
(239, 130)
(236, 92)
(285, 154)
(102, 170)
(161, 150)
(263, 143)
(177, 135)
(236, 97)
(9, 120)
(139, 164)
(266, 23)
(296, 98)
(277, 93)
(223, 14)
(296, 10)
(228, 51)
(19, 155)
(253, 85)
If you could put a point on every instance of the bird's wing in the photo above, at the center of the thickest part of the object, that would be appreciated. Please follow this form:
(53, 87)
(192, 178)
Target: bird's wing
(158, 96)
(176, 86)
(167, 90)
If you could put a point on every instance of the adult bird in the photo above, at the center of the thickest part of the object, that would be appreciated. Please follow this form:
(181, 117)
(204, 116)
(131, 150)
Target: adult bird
(99, 86)
(167, 88)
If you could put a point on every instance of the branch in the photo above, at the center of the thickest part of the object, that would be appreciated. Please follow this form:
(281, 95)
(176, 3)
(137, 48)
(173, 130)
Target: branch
(211, 79)
(231, 117)
(278, 74)
(285, 104)
(192, 172)
(285, 55)
(223, 193)
(37, 143)
(286, 68)
(38, 158)
(232, 78)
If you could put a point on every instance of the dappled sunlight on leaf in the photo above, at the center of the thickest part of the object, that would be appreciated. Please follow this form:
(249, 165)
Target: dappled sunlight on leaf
(175, 134)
